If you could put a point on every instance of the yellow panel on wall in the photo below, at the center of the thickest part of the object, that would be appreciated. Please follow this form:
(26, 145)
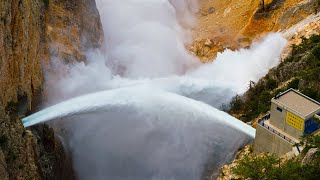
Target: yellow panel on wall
(295, 121)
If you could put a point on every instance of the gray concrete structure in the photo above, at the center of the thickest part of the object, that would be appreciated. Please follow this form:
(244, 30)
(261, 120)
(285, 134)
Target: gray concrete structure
(274, 144)
(277, 116)
(291, 116)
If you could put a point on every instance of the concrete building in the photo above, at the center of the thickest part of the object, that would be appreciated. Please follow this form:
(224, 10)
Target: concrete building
(292, 115)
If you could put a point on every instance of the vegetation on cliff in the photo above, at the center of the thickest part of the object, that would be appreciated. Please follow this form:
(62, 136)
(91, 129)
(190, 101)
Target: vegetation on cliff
(236, 23)
(268, 166)
(301, 71)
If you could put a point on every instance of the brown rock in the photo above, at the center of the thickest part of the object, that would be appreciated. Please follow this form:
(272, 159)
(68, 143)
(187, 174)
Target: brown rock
(206, 49)
(3, 167)
(17, 146)
(296, 13)
(310, 156)
(226, 170)
(72, 28)
(53, 160)
(27, 29)
(20, 49)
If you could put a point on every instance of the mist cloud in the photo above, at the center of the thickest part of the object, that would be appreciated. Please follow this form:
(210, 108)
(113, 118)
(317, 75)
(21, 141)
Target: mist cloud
(145, 45)
(144, 48)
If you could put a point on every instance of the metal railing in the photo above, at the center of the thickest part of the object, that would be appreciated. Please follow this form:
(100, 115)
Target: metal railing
(266, 117)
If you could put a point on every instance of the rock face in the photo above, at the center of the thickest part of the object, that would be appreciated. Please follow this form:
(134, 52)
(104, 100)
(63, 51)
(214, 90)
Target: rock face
(72, 28)
(226, 171)
(20, 77)
(310, 156)
(3, 167)
(280, 15)
(32, 31)
(20, 49)
(235, 24)
(206, 50)
(296, 13)
(31, 155)
(17, 150)
(54, 161)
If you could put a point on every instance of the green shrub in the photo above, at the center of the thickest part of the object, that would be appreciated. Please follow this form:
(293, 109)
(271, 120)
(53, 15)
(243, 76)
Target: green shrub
(316, 52)
(310, 141)
(269, 166)
(271, 84)
(315, 38)
(256, 167)
(305, 59)
(312, 93)
(264, 102)
(289, 170)
(294, 84)
(236, 103)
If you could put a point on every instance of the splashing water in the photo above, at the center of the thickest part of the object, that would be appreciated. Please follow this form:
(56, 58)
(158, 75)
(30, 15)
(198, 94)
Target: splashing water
(152, 110)
(143, 133)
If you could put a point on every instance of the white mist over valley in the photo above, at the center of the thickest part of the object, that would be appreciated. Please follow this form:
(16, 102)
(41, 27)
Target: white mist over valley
(144, 107)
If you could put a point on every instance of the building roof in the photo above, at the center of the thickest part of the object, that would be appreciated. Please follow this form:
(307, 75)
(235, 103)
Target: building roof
(298, 102)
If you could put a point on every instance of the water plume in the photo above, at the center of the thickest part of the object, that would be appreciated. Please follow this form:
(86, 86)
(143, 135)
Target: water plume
(153, 112)
(144, 133)
(144, 38)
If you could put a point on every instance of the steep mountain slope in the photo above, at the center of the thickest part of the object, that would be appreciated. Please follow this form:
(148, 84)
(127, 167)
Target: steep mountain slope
(240, 22)
(20, 49)
(27, 29)
(235, 23)
(33, 31)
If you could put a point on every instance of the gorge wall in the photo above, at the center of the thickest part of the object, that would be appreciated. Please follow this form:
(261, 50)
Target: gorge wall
(28, 30)
(34, 32)
(236, 23)
(20, 47)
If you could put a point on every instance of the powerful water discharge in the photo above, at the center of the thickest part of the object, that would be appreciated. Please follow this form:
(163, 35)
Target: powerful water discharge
(143, 107)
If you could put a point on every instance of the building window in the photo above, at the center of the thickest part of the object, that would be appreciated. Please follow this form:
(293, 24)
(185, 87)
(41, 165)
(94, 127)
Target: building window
(279, 109)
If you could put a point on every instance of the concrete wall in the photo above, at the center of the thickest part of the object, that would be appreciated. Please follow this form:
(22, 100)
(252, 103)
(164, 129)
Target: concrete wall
(277, 118)
(266, 141)
(292, 131)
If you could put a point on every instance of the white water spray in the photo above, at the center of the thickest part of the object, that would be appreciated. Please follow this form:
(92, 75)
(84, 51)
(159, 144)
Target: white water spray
(145, 133)
(146, 123)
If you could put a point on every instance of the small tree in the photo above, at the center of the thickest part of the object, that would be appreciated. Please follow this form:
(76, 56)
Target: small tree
(270, 167)
(310, 141)
(236, 103)
(256, 167)
(271, 84)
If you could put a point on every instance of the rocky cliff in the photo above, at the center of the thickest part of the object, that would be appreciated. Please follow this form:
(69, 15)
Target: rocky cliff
(31, 32)
(20, 49)
(72, 28)
(235, 23)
